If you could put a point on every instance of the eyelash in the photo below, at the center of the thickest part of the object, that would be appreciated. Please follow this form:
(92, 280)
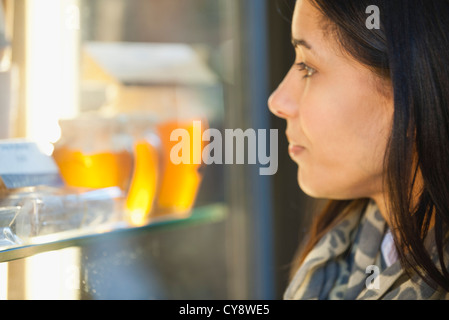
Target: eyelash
(302, 66)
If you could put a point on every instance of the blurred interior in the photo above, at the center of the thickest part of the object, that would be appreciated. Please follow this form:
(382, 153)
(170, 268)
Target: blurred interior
(71, 70)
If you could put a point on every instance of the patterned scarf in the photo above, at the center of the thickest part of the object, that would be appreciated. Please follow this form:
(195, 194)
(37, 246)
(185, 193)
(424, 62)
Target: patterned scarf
(347, 264)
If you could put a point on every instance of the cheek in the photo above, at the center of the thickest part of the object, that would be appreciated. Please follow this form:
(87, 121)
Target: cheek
(347, 134)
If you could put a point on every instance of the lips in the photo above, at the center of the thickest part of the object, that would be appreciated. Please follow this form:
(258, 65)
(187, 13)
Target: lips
(295, 150)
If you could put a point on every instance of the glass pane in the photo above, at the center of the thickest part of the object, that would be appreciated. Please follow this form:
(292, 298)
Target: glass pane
(104, 84)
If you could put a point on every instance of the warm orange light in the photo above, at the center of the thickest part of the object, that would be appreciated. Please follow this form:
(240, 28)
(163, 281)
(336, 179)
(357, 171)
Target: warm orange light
(99, 170)
(180, 182)
(139, 202)
(137, 174)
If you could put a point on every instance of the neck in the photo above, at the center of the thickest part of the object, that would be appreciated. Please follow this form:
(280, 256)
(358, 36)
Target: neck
(381, 200)
(381, 203)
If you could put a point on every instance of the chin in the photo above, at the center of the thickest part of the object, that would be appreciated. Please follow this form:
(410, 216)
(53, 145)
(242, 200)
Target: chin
(311, 192)
(309, 188)
(317, 188)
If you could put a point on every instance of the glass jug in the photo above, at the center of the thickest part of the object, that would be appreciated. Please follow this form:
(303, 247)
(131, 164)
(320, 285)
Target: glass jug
(102, 152)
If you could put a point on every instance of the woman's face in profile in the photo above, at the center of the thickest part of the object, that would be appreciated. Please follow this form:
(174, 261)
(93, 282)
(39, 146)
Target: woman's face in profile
(338, 123)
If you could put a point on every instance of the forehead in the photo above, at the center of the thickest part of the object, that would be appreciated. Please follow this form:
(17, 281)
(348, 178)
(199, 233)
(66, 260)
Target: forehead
(309, 24)
(306, 20)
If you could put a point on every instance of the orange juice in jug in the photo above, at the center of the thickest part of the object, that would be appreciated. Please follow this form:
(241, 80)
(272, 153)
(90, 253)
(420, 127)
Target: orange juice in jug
(180, 181)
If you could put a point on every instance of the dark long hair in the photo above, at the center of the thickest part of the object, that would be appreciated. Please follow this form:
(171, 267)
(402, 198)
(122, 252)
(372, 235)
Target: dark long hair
(411, 52)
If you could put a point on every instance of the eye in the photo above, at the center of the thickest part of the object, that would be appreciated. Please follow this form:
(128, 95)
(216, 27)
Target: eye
(303, 67)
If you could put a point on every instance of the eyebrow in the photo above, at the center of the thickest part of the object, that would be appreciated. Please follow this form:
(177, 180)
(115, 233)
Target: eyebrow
(303, 43)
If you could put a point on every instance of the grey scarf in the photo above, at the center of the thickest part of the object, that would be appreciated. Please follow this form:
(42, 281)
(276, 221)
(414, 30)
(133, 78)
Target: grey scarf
(347, 264)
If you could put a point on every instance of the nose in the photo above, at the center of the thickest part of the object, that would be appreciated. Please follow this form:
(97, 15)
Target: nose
(283, 101)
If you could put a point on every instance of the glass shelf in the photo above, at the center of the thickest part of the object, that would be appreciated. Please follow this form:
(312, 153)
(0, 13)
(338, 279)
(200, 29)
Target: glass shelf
(204, 214)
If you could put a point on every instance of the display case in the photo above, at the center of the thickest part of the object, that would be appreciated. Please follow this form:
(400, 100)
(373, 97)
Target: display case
(99, 86)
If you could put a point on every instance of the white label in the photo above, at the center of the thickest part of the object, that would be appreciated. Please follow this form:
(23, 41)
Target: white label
(22, 164)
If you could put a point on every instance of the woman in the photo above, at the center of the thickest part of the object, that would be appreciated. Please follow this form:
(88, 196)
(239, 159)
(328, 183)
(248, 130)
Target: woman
(367, 113)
